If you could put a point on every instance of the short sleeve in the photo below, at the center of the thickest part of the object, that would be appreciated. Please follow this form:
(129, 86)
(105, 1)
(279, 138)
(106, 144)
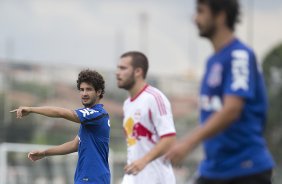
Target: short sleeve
(240, 74)
(162, 116)
(90, 116)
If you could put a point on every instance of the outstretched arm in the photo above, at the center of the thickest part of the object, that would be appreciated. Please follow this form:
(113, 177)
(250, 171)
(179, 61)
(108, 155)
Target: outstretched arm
(55, 112)
(66, 148)
(161, 147)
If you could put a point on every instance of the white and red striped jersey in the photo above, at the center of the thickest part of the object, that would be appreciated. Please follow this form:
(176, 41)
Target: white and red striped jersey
(147, 118)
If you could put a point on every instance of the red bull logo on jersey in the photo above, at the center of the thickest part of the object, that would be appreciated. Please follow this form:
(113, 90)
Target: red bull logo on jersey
(137, 115)
(135, 131)
(128, 129)
(140, 131)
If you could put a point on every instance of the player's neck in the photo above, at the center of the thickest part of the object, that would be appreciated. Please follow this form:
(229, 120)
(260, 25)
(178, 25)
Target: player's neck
(96, 102)
(222, 38)
(137, 88)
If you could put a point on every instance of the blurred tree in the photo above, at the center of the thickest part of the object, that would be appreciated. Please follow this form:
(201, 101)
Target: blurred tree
(19, 131)
(13, 130)
(33, 88)
(1, 105)
(272, 68)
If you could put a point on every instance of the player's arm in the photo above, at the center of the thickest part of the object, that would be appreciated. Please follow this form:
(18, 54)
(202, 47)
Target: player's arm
(232, 107)
(216, 123)
(66, 148)
(55, 112)
(161, 147)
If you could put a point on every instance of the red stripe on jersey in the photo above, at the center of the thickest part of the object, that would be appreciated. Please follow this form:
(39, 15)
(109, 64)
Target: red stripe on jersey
(156, 98)
(152, 122)
(159, 100)
(168, 135)
(150, 116)
(143, 89)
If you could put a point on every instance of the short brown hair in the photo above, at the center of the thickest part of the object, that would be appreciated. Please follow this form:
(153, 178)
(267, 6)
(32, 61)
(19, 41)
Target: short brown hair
(94, 78)
(139, 60)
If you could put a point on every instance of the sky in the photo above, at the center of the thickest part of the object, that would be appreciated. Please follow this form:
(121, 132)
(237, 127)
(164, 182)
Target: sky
(94, 33)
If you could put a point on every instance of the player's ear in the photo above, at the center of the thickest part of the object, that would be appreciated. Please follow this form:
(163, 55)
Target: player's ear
(221, 18)
(99, 92)
(139, 72)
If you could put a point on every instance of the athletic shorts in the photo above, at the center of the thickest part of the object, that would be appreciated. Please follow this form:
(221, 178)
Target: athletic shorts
(259, 178)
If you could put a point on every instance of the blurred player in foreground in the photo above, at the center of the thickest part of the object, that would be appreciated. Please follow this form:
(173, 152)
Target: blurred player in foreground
(148, 124)
(92, 141)
(233, 105)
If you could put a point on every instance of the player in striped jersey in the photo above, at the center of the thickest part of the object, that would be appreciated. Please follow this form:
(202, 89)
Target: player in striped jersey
(148, 124)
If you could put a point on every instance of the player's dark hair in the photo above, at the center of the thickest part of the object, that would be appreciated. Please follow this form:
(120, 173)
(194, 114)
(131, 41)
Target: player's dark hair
(230, 7)
(93, 78)
(139, 60)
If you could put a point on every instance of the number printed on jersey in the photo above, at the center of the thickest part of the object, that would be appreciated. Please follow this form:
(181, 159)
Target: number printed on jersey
(87, 111)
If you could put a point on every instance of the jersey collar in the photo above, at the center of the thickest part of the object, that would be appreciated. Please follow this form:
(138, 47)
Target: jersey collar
(136, 96)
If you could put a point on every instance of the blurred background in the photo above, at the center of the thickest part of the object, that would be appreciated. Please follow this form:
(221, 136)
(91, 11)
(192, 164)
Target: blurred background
(45, 43)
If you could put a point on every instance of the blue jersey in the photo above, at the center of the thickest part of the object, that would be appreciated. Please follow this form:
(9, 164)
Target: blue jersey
(93, 149)
(240, 149)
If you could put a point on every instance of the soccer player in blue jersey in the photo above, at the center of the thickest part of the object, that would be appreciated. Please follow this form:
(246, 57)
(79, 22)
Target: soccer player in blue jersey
(92, 141)
(233, 105)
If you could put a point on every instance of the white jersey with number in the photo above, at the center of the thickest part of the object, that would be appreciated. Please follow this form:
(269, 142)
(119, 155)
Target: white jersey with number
(147, 118)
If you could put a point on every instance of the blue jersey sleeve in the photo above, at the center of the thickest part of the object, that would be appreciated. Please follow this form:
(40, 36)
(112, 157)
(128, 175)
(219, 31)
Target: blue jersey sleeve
(90, 116)
(240, 74)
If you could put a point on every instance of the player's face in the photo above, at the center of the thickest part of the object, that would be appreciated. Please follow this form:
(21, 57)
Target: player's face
(204, 19)
(88, 94)
(125, 74)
